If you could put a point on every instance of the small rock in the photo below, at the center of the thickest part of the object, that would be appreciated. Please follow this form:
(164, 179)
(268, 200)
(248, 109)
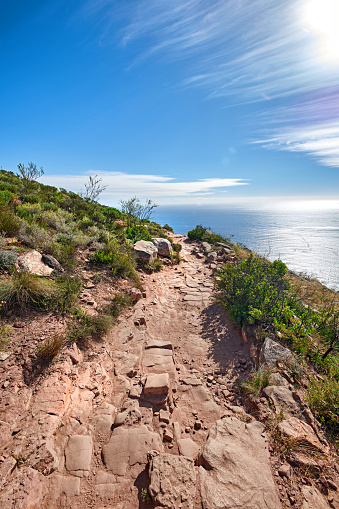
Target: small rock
(198, 424)
(285, 471)
(164, 416)
(168, 435)
(332, 484)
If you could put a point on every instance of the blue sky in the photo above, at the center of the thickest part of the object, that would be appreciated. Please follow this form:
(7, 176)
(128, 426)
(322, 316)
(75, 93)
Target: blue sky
(180, 101)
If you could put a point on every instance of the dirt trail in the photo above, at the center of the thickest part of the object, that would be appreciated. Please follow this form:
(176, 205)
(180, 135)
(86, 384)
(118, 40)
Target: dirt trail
(166, 372)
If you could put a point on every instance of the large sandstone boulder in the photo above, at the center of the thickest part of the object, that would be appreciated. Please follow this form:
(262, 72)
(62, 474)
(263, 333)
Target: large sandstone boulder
(236, 471)
(145, 251)
(32, 262)
(164, 246)
(272, 352)
(172, 481)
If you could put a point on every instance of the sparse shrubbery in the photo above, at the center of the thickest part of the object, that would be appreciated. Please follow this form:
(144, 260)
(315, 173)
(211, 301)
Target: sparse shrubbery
(5, 336)
(85, 326)
(119, 257)
(7, 259)
(51, 347)
(260, 379)
(206, 235)
(119, 302)
(22, 289)
(323, 398)
(156, 265)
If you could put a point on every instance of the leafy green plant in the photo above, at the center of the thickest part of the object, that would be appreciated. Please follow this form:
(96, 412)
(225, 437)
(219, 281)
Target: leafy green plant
(119, 257)
(23, 289)
(253, 291)
(136, 233)
(145, 496)
(205, 234)
(260, 379)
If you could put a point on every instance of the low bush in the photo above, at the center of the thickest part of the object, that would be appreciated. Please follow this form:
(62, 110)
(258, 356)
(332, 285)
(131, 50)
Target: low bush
(5, 336)
(85, 327)
(51, 347)
(260, 380)
(10, 223)
(156, 265)
(253, 291)
(119, 302)
(7, 259)
(205, 234)
(323, 399)
(31, 235)
(119, 257)
(67, 294)
(23, 289)
(138, 233)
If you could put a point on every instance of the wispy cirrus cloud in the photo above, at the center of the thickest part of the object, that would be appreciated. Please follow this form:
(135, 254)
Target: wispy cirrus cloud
(157, 187)
(247, 51)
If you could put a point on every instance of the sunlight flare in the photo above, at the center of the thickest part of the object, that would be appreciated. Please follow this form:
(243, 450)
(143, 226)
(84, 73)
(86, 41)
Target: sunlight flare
(322, 16)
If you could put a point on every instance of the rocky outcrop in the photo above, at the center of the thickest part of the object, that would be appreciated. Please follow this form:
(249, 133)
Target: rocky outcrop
(272, 352)
(145, 251)
(32, 262)
(301, 433)
(163, 246)
(236, 471)
(313, 499)
(172, 481)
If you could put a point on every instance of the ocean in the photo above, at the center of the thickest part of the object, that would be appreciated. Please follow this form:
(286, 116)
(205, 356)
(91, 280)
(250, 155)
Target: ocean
(304, 234)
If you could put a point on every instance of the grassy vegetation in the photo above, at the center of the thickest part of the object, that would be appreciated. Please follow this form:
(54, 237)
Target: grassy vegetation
(260, 380)
(5, 336)
(265, 294)
(67, 226)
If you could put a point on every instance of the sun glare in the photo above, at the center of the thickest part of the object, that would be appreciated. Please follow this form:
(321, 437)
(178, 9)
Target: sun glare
(322, 16)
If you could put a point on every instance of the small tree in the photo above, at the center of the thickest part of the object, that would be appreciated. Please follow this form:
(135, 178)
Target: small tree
(136, 212)
(29, 173)
(93, 188)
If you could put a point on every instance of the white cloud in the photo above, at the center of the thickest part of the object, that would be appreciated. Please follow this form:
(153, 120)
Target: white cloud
(246, 50)
(156, 187)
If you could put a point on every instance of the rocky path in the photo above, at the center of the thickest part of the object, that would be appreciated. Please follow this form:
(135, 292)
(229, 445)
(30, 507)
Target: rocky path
(154, 409)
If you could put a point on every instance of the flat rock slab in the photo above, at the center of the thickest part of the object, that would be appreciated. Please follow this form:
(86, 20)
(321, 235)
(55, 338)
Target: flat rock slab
(301, 432)
(236, 471)
(25, 491)
(127, 447)
(158, 360)
(313, 499)
(187, 447)
(53, 397)
(78, 454)
(172, 481)
(157, 384)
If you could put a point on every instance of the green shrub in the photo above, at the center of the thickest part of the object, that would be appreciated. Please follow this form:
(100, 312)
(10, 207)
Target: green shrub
(67, 294)
(136, 233)
(167, 227)
(119, 257)
(7, 259)
(202, 233)
(5, 336)
(156, 265)
(177, 247)
(260, 380)
(10, 223)
(323, 399)
(86, 326)
(23, 289)
(119, 302)
(253, 291)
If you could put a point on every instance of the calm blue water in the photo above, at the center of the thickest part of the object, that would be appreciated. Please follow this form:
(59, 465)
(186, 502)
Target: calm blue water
(303, 234)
